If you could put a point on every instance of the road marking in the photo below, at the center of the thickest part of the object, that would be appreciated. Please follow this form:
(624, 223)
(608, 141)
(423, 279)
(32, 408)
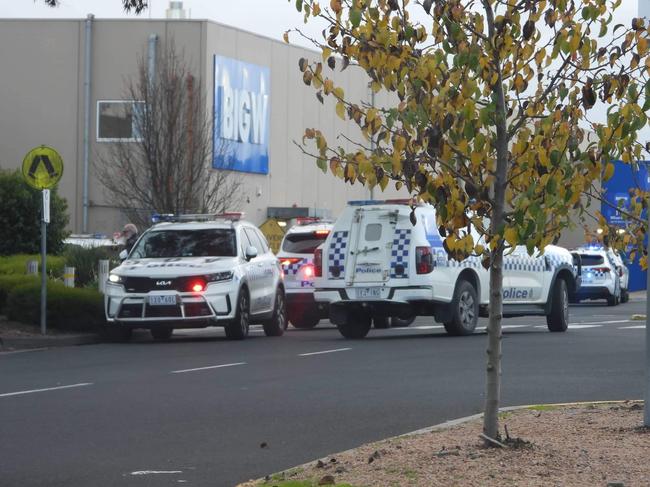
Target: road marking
(206, 368)
(420, 327)
(10, 352)
(599, 322)
(576, 326)
(636, 327)
(324, 351)
(46, 389)
(156, 472)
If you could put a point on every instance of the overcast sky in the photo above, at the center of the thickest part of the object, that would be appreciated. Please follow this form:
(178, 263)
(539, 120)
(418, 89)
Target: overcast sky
(267, 17)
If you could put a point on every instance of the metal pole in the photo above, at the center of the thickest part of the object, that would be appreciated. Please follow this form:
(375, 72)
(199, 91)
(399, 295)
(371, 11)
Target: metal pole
(372, 139)
(43, 270)
(86, 145)
(646, 409)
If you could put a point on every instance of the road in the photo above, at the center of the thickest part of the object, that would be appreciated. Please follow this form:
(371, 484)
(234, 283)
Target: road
(204, 411)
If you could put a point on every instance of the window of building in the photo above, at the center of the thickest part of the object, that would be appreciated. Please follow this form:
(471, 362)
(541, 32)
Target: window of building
(117, 121)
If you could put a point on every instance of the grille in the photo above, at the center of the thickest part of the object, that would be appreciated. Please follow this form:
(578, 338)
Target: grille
(146, 284)
(131, 311)
(163, 312)
(197, 309)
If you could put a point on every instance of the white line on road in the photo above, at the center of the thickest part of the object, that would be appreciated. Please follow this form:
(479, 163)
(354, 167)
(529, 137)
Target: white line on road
(636, 327)
(599, 322)
(207, 368)
(155, 472)
(46, 389)
(575, 326)
(324, 351)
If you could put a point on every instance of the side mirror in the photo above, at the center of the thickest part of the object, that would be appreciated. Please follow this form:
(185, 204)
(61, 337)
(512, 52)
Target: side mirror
(124, 254)
(251, 252)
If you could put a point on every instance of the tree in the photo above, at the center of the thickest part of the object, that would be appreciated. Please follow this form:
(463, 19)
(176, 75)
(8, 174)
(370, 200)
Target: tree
(20, 222)
(167, 169)
(490, 117)
(136, 6)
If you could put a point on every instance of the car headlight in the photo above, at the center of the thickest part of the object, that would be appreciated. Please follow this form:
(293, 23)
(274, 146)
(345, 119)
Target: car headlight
(219, 276)
(115, 279)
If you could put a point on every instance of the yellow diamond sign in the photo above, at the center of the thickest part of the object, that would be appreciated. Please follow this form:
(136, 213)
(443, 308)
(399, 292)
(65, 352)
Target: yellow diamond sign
(273, 233)
(42, 167)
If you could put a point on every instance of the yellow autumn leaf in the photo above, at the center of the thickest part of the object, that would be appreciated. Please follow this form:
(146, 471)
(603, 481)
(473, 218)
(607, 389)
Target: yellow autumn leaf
(340, 110)
(642, 46)
(339, 93)
(327, 52)
(609, 169)
(370, 115)
(511, 236)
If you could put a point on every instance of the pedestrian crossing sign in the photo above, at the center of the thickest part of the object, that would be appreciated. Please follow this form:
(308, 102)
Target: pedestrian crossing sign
(42, 167)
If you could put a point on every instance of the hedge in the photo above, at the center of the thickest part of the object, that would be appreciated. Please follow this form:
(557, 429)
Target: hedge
(9, 282)
(86, 263)
(71, 309)
(17, 264)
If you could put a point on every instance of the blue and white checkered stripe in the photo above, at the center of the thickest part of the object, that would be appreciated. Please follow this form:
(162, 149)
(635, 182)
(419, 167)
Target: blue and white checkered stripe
(336, 254)
(524, 263)
(292, 269)
(472, 261)
(399, 254)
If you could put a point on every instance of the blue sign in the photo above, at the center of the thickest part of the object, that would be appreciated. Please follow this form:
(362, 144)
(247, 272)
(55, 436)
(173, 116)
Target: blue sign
(241, 116)
(617, 195)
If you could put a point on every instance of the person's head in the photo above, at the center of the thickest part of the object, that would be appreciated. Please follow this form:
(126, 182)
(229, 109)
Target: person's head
(129, 230)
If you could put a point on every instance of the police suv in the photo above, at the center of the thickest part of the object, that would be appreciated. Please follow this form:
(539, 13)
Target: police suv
(375, 263)
(601, 275)
(297, 259)
(194, 271)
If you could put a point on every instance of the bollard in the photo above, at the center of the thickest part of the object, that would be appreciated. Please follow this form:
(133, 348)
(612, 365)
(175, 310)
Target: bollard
(68, 276)
(102, 275)
(32, 267)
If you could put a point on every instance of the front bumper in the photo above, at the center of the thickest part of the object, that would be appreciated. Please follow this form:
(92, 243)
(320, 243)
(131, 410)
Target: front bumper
(348, 295)
(215, 304)
(594, 292)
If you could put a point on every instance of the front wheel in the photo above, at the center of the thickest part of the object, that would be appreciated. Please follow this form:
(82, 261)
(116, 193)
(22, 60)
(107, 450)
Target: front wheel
(356, 326)
(625, 295)
(465, 310)
(381, 322)
(558, 319)
(238, 328)
(305, 321)
(278, 323)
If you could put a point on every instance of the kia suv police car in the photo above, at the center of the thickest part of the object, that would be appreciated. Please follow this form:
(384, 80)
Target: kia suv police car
(194, 271)
(601, 277)
(297, 260)
(376, 264)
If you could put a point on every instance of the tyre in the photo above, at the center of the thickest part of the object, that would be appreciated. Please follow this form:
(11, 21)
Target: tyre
(625, 295)
(558, 319)
(305, 321)
(162, 332)
(612, 300)
(117, 333)
(465, 310)
(278, 323)
(356, 326)
(396, 322)
(238, 328)
(381, 323)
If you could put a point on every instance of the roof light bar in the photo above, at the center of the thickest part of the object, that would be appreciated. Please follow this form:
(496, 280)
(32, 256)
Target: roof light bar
(193, 217)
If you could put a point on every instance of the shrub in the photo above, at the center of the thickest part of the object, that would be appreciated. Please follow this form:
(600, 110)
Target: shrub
(20, 224)
(86, 262)
(71, 309)
(17, 264)
(11, 281)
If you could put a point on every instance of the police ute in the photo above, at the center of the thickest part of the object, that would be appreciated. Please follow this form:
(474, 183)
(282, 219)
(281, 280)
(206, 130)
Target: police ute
(194, 271)
(297, 260)
(376, 264)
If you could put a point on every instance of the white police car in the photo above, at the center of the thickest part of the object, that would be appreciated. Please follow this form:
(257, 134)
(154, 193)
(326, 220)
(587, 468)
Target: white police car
(376, 264)
(601, 275)
(194, 271)
(297, 260)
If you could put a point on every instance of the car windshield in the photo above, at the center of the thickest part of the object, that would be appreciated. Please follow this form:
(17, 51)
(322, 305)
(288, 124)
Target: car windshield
(302, 243)
(212, 242)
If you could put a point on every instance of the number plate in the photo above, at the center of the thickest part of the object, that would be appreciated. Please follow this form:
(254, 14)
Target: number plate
(368, 292)
(162, 300)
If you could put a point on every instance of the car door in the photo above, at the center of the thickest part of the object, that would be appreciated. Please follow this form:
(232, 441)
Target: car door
(262, 275)
(250, 271)
(271, 269)
(523, 276)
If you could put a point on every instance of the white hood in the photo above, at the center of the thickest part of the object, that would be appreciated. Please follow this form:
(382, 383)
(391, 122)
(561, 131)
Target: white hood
(175, 266)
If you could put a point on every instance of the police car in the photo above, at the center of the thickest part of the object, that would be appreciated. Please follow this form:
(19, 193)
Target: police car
(601, 275)
(376, 264)
(297, 260)
(193, 271)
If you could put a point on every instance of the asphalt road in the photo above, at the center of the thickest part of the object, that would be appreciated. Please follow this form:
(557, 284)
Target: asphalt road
(197, 410)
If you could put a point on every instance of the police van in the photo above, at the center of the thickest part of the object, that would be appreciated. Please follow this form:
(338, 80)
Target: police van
(194, 271)
(297, 260)
(375, 264)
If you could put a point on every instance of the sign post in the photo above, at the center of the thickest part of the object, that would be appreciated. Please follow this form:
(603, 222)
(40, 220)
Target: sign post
(42, 169)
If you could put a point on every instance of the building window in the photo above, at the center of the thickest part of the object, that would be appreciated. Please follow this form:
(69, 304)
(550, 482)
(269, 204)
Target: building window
(117, 121)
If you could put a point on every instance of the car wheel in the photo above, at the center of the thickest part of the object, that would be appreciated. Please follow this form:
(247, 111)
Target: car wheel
(612, 300)
(381, 323)
(305, 321)
(162, 332)
(625, 295)
(396, 322)
(356, 326)
(558, 319)
(465, 310)
(238, 328)
(117, 333)
(278, 323)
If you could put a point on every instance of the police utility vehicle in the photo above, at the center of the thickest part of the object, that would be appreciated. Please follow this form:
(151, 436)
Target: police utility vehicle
(194, 271)
(604, 276)
(297, 259)
(375, 263)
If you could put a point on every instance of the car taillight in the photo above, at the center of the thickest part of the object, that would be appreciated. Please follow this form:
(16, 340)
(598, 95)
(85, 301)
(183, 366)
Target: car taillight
(322, 233)
(308, 271)
(318, 263)
(423, 260)
(604, 270)
(197, 286)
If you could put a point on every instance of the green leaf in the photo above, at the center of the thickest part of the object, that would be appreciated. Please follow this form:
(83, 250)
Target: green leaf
(299, 5)
(355, 17)
(322, 164)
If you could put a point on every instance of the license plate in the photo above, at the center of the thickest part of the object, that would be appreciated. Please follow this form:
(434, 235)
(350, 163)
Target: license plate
(368, 292)
(162, 300)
